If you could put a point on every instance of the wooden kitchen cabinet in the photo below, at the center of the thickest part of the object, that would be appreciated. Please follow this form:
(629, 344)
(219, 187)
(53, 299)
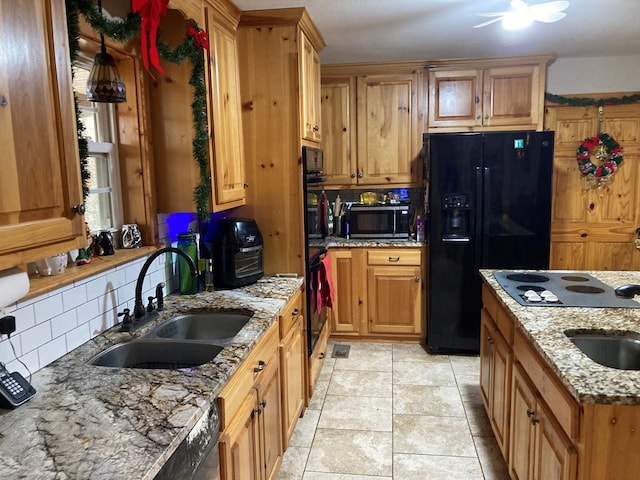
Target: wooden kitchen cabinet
(293, 354)
(494, 94)
(373, 122)
(379, 293)
(539, 448)
(310, 89)
(176, 169)
(495, 370)
(40, 182)
(250, 441)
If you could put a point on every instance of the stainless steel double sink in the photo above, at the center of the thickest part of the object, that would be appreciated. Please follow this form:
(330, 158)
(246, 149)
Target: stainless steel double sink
(619, 350)
(184, 341)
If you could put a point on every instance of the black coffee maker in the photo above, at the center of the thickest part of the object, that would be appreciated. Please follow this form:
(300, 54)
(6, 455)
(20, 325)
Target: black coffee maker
(232, 249)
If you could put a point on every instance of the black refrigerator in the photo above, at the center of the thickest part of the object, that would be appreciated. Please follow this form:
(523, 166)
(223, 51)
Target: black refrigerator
(489, 206)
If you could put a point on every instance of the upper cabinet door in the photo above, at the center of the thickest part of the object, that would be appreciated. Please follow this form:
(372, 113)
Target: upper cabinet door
(389, 141)
(310, 92)
(225, 121)
(513, 96)
(455, 98)
(40, 181)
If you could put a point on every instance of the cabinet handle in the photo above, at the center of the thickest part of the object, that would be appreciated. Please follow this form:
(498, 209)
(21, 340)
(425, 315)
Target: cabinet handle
(3, 101)
(530, 413)
(534, 420)
(246, 185)
(490, 340)
(295, 312)
(316, 128)
(394, 259)
(260, 367)
(264, 404)
(417, 279)
(477, 100)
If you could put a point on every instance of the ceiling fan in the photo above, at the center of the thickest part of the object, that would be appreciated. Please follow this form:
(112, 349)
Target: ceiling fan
(522, 15)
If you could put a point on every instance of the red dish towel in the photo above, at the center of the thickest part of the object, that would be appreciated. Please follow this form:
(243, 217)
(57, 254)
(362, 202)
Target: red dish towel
(326, 293)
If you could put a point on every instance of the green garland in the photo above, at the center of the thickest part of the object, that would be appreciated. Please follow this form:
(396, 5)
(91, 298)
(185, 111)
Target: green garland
(591, 102)
(123, 30)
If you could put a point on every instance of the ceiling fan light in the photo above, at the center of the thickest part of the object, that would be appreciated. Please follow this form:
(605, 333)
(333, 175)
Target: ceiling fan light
(516, 20)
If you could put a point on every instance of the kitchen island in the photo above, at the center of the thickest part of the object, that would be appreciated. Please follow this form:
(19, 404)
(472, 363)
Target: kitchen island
(556, 413)
(109, 423)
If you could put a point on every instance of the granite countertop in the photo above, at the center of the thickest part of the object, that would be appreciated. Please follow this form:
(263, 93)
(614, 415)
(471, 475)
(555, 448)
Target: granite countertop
(586, 380)
(336, 242)
(107, 423)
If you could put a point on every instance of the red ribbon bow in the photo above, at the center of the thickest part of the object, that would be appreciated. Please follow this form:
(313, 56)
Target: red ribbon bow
(199, 37)
(150, 11)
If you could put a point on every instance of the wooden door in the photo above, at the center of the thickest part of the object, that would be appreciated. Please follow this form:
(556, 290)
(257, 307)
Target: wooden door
(512, 96)
(555, 457)
(594, 228)
(389, 142)
(338, 112)
(239, 444)
(394, 299)
(225, 122)
(455, 98)
(349, 307)
(269, 409)
(292, 365)
(310, 93)
(40, 180)
(521, 443)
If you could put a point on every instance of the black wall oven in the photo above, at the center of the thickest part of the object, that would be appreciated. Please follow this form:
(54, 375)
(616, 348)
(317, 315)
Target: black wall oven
(314, 233)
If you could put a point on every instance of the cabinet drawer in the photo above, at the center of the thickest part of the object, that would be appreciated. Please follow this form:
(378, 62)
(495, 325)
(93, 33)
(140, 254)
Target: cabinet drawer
(404, 256)
(290, 313)
(565, 409)
(498, 314)
(243, 380)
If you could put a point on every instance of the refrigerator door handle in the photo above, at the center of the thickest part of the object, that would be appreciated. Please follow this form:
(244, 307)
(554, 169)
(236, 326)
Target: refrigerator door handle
(478, 220)
(486, 186)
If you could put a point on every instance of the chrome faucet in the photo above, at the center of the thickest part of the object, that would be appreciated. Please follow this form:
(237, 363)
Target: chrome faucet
(139, 309)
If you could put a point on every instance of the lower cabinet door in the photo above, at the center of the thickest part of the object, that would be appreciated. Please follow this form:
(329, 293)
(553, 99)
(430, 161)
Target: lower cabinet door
(556, 458)
(240, 443)
(270, 418)
(292, 353)
(394, 299)
(522, 429)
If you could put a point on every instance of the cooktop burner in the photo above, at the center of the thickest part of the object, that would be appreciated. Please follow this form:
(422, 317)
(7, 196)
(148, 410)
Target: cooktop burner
(560, 289)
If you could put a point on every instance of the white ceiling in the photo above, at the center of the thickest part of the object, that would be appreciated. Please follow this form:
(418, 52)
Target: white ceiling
(395, 30)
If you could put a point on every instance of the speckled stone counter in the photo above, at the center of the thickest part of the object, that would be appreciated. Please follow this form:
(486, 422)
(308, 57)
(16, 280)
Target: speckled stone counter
(586, 380)
(336, 242)
(90, 422)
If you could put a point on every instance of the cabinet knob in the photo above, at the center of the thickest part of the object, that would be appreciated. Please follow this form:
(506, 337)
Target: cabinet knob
(79, 209)
(316, 128)
(417, 279)
(260, 367)
(360, 175)
(3, 101)
(246, 185)
(486, 117)
(534, 420)
(295, 312)
(478, 117)
(477, 99)
(530, 413)
(490, 340)
(353, 175)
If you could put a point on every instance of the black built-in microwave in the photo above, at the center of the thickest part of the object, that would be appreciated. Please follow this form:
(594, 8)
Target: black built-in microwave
(379, 221)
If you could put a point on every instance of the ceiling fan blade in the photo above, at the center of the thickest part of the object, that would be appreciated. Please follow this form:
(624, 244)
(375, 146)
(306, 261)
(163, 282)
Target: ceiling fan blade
(519, 5)
(484, 24)
(548, 17)
(490, 14)
(550, 7)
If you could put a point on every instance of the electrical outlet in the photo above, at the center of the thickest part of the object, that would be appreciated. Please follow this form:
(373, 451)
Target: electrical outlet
(8, 325)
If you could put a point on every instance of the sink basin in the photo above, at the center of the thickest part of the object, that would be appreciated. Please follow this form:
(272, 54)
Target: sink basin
(156, 355)
(203, 326)
(621, 351)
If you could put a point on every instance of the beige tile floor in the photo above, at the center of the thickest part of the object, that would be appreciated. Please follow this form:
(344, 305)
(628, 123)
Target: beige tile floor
(392, 411)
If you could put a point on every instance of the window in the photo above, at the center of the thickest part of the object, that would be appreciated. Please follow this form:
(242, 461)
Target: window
(104, 201)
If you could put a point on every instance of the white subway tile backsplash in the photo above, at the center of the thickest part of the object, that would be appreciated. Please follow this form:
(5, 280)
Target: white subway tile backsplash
(48, 307)
(63, 323)
(34, 337)
(50, 351)
(74, 297)
(25, 317)
(88, 310)
(6, 352)
(79, 335)
(30, 359)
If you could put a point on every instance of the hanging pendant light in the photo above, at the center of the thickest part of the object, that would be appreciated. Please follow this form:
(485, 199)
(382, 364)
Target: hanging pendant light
(104, 84)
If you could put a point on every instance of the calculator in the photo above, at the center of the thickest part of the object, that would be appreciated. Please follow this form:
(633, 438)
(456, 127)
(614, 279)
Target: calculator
(14, 389)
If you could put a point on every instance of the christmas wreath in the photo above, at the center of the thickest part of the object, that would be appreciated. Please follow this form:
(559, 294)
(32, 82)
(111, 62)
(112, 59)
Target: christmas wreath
(608, 152)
